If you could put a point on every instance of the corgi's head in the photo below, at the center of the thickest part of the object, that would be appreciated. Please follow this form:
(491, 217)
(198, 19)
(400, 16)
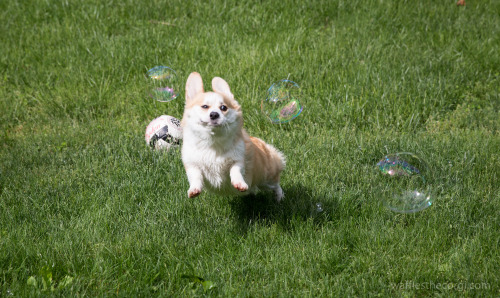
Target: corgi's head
(211, 111)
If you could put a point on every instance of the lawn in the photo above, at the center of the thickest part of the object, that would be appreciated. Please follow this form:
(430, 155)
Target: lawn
(88, 209)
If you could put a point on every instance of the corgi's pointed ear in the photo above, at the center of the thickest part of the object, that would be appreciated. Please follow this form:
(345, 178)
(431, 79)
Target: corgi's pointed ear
(221, 86)
(194, 85)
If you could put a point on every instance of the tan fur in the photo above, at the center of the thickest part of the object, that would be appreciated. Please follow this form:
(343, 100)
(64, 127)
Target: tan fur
(267, 162)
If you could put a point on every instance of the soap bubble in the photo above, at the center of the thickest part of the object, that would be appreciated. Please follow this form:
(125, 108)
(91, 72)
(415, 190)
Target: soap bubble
(164, 82)
(283, 102)
(316, 209)
(161, 73)
(164, 94)
(403, 182)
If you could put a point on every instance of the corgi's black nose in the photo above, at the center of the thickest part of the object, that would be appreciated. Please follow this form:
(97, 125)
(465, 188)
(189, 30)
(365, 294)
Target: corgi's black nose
(214, 115)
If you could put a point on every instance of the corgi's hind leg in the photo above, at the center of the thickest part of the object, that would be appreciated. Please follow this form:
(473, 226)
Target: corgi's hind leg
(278, 192)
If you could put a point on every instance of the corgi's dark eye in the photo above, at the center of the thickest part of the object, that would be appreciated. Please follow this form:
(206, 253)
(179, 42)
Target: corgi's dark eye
(204, 107)
(223, 108)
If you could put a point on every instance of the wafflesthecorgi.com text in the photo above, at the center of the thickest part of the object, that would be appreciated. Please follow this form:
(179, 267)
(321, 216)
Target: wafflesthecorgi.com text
(457, 286)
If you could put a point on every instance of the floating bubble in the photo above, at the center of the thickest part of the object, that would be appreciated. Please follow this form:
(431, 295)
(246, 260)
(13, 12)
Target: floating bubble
(403, 182)
(319, 207)
(283, 102)
(161, 73)
(316, 209)
(164, 82)
(164, 94)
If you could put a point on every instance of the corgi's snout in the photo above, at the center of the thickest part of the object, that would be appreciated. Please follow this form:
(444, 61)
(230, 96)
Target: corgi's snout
(214, 115)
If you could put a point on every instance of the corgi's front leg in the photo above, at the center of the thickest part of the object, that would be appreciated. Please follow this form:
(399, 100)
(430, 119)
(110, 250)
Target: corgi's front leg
(236, 174)
(195, 178)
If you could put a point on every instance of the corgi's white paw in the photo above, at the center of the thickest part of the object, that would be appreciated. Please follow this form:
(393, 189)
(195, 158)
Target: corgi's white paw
(240, 186)
(194, 192)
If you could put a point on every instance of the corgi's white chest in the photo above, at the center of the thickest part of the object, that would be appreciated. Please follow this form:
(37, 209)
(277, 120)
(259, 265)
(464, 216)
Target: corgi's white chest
(215, 164)
(215, 168)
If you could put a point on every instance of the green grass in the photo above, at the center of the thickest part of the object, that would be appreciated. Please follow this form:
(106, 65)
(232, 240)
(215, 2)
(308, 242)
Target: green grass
(86, 208)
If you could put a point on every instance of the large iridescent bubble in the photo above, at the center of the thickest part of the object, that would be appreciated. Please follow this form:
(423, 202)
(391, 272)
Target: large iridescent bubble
(283, 102)
(402, 182)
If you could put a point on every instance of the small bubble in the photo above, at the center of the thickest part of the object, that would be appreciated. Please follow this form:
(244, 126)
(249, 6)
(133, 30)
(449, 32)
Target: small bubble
(319, 207)
(164, 94)
(161, 73)
(165, 83)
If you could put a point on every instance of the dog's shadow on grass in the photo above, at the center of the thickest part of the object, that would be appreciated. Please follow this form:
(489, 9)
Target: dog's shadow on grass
(300, 204)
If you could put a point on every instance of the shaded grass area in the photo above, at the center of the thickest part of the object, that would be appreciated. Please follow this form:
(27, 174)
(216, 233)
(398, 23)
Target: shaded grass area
(81, 196)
